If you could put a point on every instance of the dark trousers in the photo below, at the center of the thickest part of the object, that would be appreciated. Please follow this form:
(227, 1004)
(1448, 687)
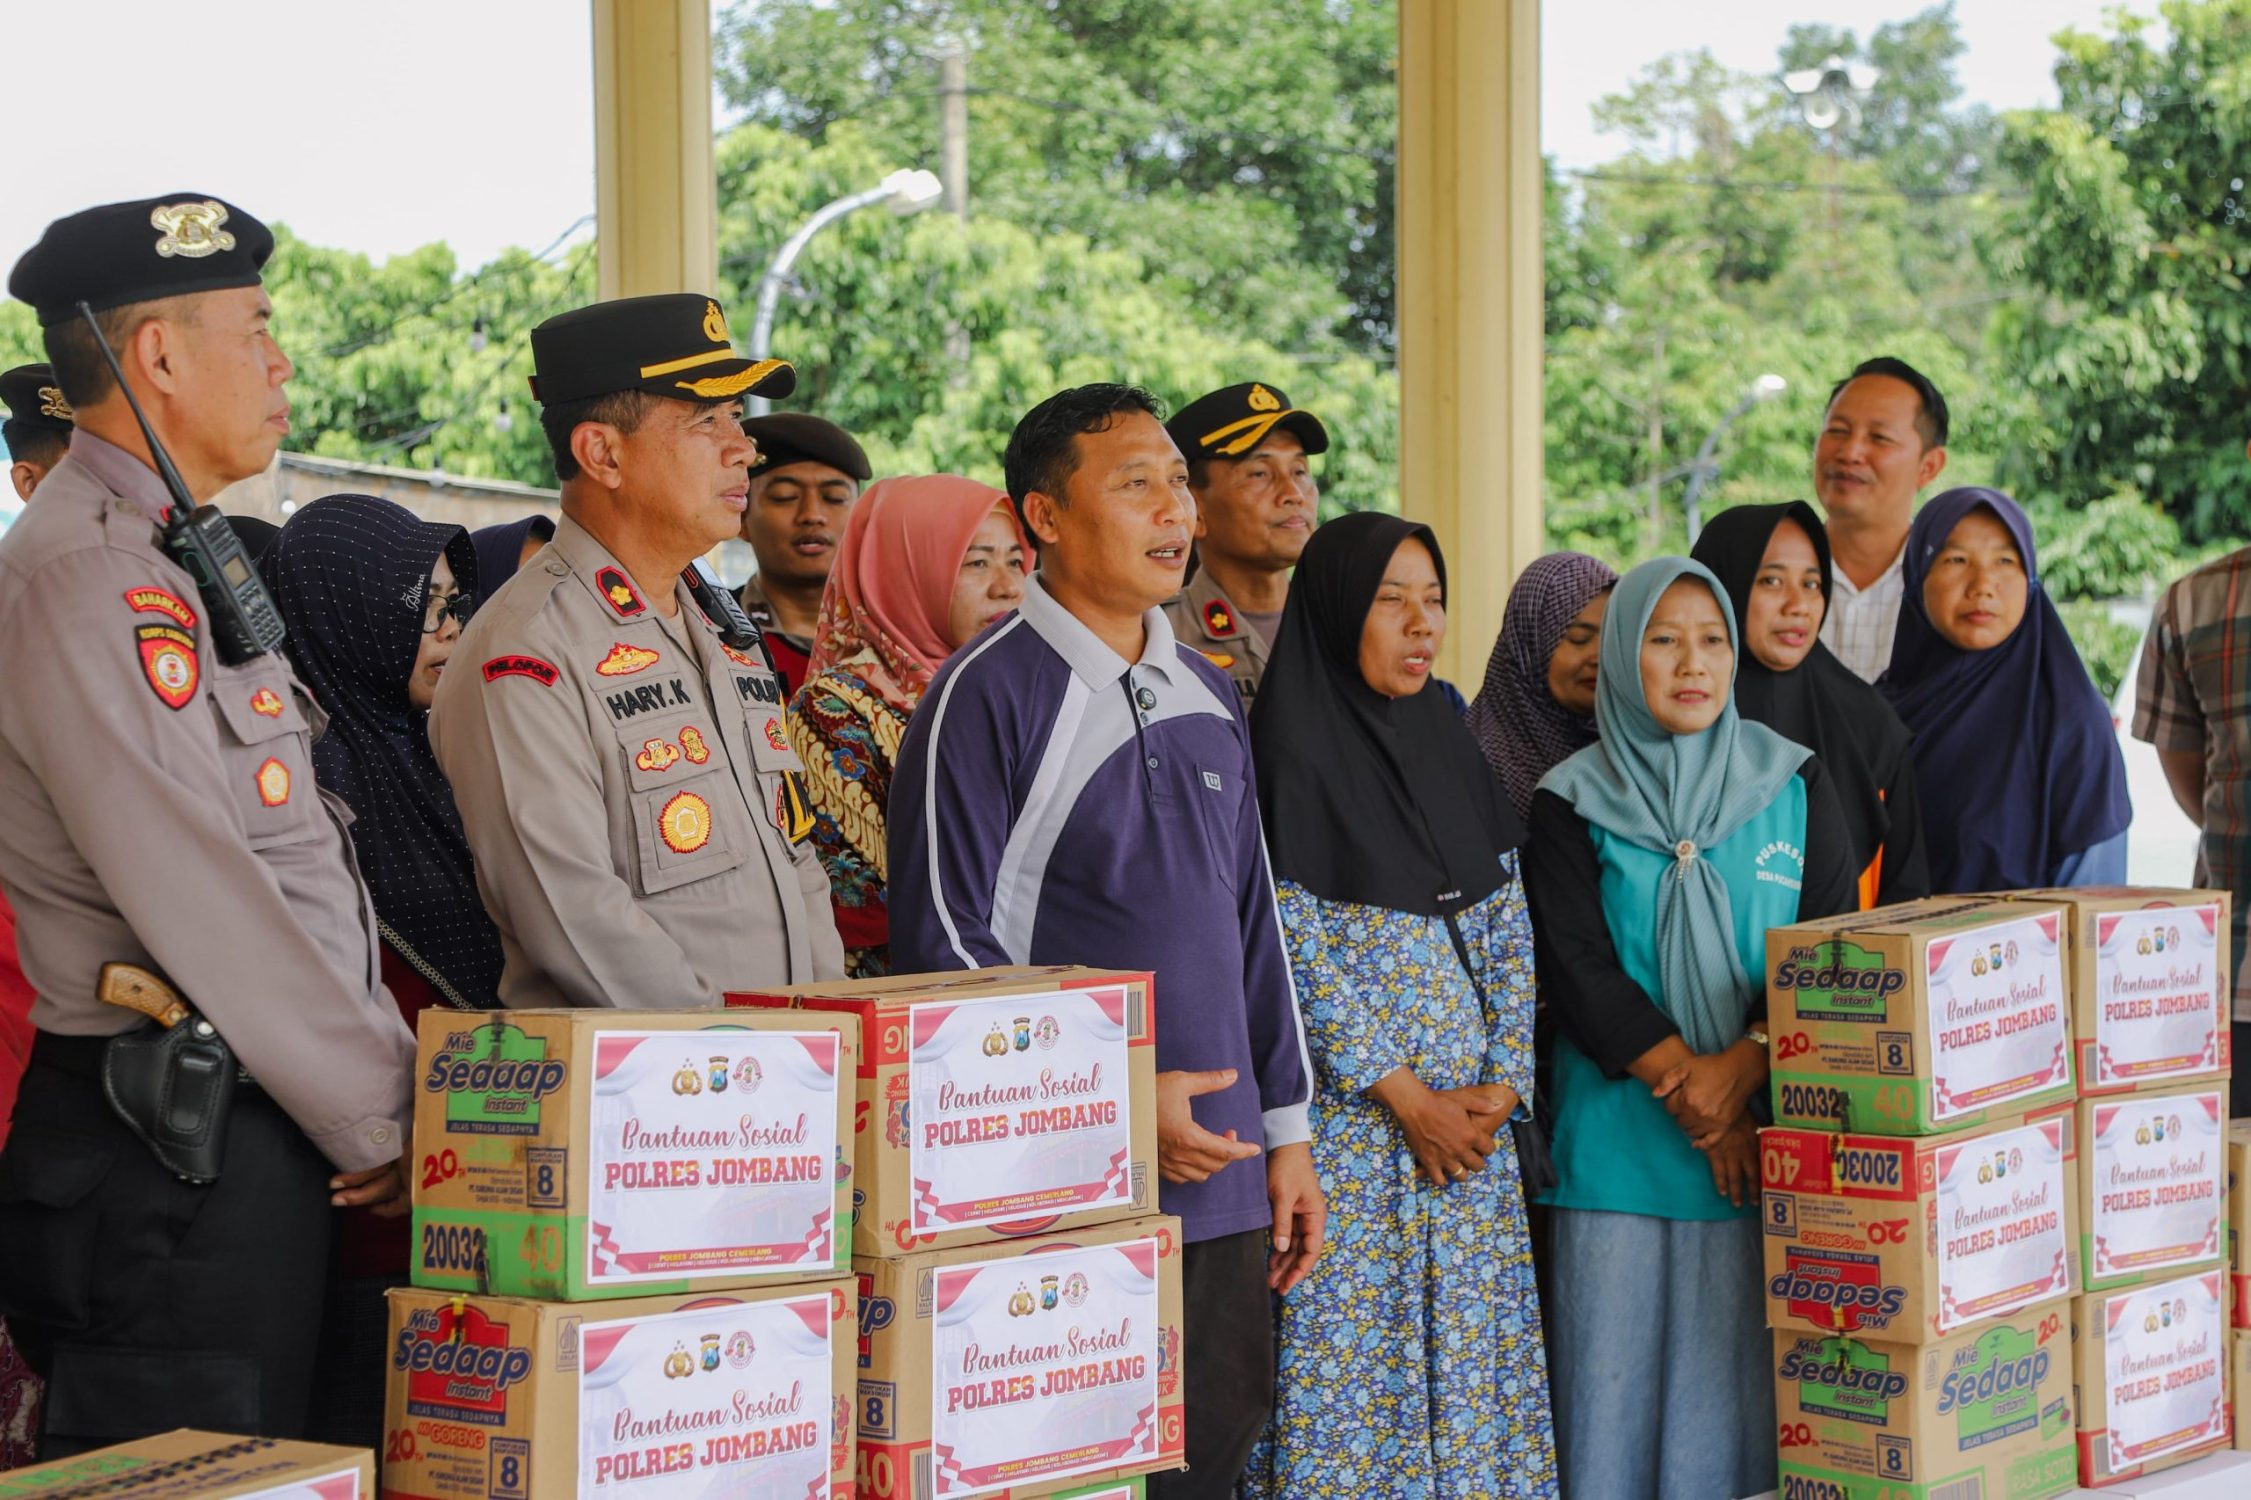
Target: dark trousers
(147, 1302)
(2239, 1085)
(1227, 1364)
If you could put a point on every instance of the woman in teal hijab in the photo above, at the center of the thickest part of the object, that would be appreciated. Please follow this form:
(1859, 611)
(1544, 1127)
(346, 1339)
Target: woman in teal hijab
(1659, 857)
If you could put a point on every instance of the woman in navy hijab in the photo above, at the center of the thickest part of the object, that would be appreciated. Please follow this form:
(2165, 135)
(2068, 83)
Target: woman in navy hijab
(2022, 781)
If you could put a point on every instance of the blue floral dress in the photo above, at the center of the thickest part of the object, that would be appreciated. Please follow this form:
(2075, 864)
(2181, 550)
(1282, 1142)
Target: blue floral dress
(1410, 1360)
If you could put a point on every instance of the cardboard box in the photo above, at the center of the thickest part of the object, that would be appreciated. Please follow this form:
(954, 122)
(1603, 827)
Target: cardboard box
(2149, 984)
(1026, 1368)
(1934, 1015)
(652, 1398)
(2150, 1376)
(2239, 1217)
(2152, 1184)
(206, 1465)
(569, 1154)
(1983, 1412)
(996, 1103)
(2240, 1342)
(1909, 1240)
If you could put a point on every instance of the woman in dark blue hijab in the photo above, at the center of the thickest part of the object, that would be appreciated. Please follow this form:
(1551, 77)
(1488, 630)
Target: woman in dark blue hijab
(2022, 781)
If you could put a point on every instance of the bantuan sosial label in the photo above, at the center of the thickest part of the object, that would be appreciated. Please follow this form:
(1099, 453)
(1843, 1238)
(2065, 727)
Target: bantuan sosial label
(1044, 1366)
(710, 1152)
(2159, 1183)
(2001, 1239)
(1020, 1107)
(1998, 1016)
(727, 1399)
(2158, 1011)
(2163, 1358)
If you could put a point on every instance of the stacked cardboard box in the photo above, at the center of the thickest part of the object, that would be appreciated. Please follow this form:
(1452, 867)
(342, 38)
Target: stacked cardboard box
(1020, 1323)
(1920, 1227)
(630, 1258)
(187, 1465)
(2149, 1005)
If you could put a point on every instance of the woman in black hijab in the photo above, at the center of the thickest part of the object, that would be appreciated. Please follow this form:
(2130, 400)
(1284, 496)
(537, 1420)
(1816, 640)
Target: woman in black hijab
(1773, 560)
(1410, 1359)
(374, 599)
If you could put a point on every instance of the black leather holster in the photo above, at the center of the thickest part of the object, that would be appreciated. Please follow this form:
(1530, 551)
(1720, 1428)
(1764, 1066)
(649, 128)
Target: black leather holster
(174, 1088)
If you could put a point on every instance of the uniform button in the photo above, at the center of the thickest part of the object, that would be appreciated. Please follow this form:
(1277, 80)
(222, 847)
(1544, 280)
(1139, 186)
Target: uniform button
(558, 567)
(381, 1135)
(128, 507)
(1152, 763)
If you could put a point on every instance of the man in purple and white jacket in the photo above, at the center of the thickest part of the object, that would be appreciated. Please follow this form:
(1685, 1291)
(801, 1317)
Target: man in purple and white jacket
(1076, 787)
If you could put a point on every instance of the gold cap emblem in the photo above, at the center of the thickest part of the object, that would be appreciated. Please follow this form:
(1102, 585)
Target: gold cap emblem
(191, 229)
(714, 323)
(1262, 399)
(52, 404)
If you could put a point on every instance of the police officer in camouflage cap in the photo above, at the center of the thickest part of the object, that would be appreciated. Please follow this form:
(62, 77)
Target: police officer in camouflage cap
(161, 813)
(639, 820)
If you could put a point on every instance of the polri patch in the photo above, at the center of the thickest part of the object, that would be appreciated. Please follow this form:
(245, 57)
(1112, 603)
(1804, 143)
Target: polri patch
(168, 657)
(150, 599)
(618, 590)
(538, 671)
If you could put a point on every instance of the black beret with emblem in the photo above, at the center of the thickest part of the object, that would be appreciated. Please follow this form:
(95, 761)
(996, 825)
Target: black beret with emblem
(1231, 422)
(674, 344)
(794, 437)
(34, 401)
(138, 252)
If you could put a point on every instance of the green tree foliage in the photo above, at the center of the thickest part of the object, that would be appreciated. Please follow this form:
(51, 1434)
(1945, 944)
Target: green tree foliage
(2133, 344)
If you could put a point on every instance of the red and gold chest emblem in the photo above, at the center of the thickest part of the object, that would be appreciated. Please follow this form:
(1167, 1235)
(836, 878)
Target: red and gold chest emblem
(265, 703)
(624, 660)
(273, 783)
(168, 657)
(742, 658)
(692, 745)
(775, 737)
(657, 755)
(619, 591)
(685, 823)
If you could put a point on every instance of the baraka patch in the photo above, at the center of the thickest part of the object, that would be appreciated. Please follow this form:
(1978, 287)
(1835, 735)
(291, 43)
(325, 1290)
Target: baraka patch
(152, 600)
(692, 745)
(624, 660)
(618, 590)
(273, 783)
(265, 704)
(538, 671)
(685, 823)
(168, 657)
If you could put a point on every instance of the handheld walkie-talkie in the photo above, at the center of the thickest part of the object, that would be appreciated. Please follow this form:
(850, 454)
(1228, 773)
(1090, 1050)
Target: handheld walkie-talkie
(244, 622)
(722, 608)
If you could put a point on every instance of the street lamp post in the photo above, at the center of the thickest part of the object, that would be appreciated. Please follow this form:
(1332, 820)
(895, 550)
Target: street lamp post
(1705, 467)
(908, 192)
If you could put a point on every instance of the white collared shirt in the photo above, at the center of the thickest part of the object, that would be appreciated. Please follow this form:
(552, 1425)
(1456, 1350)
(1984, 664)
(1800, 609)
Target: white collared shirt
(1862, 622)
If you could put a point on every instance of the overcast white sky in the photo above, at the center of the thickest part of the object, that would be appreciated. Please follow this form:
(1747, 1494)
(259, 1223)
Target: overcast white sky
(382, 127)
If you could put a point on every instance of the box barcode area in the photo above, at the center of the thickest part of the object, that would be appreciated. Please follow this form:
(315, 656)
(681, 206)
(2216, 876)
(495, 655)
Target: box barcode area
(1137, 1021)
(925, 1481)
(1972, 1488)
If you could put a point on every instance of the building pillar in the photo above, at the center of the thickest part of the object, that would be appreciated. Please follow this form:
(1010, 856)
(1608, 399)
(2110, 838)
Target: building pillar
(1471, 326)
(655, 194)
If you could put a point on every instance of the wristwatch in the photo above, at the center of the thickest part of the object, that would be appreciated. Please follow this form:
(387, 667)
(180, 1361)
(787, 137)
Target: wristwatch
(1754, 1034)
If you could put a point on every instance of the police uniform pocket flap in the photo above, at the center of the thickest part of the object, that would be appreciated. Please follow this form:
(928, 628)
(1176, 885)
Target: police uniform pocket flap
(686, 833)
(51, 1168)
(258, 706)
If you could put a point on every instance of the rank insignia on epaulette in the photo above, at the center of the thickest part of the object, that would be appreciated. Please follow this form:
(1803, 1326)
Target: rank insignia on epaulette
(619, 591)
(1218, 618)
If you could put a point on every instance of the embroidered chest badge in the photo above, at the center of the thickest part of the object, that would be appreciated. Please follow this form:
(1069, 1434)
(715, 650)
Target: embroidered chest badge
(657, 755)
(624, 660)
(265, 703)
(692, 745)
(775, 737)
(168, 657)
(685, 823)
(273, 783)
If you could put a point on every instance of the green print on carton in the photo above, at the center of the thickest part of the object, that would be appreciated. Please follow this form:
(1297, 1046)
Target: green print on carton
(494, 1077)
(1993, 1391)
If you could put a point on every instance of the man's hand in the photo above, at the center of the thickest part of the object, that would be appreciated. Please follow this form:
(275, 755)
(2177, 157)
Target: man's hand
(1448, 1141)
(1186, 1152)
(1301, 1215)
(382, 1189)
(1735, 1163)
(1709, 1092)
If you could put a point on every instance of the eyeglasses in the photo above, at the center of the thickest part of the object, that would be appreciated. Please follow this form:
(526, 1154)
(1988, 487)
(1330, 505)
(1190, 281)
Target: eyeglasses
(442, 606)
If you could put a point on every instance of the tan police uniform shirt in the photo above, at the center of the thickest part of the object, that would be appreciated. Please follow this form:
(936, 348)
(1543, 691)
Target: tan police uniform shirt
(621, 777)
(158, 808)
(1204, 617)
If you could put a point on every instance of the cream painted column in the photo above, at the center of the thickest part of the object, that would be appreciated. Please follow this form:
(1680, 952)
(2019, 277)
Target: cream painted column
(655, 196)
(1470, 315)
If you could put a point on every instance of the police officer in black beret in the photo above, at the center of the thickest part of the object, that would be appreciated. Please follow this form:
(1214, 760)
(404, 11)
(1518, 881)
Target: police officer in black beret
(1256, 505)
(806, 480)
(162, 816)
(37, 431)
